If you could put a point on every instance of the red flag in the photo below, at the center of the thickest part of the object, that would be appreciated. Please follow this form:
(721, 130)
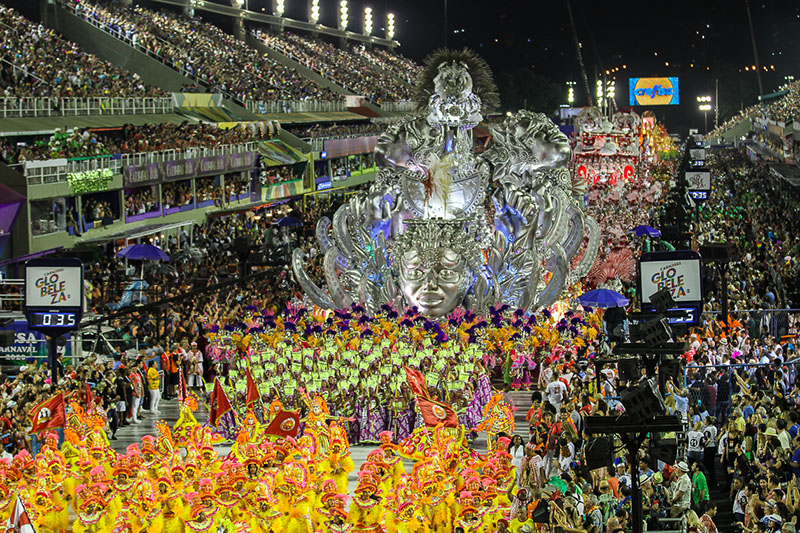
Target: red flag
(182, 393)
(435, 413)
(19, 521)
(252, 390)
(50, 414)
(218, 404)
(417, 382)
(285, 424)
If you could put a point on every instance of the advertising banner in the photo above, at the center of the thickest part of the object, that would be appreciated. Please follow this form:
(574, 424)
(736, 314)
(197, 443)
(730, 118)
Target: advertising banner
(138, 175)
(699, 180)
(682, 277)
(350, 146)
(179, 169)
(53, 287)
(653, 91)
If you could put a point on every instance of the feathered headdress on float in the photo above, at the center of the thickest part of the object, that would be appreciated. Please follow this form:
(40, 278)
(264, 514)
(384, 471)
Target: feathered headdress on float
(482, 82)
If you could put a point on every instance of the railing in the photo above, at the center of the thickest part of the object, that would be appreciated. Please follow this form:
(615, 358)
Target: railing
(403, 105)
(66, 107)
(11, 294)
(57, 172)
(318, 143)
(295, 106)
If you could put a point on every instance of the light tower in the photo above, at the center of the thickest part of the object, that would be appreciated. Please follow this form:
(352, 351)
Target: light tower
(343, 15)
(313, 12)
(368, 21)
(280, 7)
(390, 26)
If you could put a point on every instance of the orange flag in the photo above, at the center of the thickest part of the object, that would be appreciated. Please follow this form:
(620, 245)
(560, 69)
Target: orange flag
(285, 424)
(417, 382)
(50, 414)
(435, 413)
(218, 404)
(252, 390)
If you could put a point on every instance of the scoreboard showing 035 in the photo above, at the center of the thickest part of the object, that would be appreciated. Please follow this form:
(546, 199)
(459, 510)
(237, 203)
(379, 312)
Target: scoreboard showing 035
(54, 294)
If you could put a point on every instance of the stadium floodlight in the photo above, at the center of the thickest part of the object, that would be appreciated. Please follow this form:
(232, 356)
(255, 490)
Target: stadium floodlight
(280, 7)
(367, 21)
(570, 92)
(611, 89)
(705, 107)
(343, 15)
(313, 15)
(390, 25)
(702, 99)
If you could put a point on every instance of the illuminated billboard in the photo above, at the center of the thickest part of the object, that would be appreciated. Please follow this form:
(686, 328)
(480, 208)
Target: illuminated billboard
(653, 91)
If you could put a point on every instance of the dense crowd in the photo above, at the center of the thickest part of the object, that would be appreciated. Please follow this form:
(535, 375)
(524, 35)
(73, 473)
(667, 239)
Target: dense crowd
(35, 61)
(347, 69)
(398, 65)
(87, 143)
(141, 200)
(747, 208)
(321, 129)
(199, 49)
(784, 109)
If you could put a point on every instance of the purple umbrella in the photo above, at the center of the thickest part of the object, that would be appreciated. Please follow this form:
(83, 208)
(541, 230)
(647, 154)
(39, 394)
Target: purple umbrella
(604, 298)
(649, 231)
(147, 252)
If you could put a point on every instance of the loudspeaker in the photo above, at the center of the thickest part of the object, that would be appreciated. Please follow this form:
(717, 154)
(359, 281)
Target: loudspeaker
(718, 252)
(598, 452)
(643, 402)
(655, 332)
(662, 301)
(665, 450)
(628, 369)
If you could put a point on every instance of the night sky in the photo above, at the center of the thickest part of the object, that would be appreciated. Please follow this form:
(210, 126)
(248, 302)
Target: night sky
(699, 41)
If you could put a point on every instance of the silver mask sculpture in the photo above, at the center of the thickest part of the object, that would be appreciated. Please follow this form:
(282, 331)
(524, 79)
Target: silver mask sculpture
(427, 235)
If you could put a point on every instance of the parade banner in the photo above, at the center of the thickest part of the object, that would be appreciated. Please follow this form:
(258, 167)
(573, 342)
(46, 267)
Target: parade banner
(190, 167)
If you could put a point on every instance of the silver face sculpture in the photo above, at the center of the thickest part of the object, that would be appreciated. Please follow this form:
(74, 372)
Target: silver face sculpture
(427, 235)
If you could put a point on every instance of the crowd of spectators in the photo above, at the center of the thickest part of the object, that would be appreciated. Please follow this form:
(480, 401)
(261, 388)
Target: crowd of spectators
(345, 68)
(87, 143)
(748, 208)
(35, 61)
(207, 189)
(199, 49)
(784, 109)
(401, 66)
(97, 209)
(236, 185)
(272, 175)
(140, 200)
(320, 129)
(177, 194)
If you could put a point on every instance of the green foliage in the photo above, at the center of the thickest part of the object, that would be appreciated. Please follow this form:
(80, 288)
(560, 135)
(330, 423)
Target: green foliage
(90, 180)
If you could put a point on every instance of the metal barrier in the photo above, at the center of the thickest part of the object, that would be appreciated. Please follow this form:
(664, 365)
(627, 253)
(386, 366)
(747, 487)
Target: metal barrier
(295, 106)
(711, 387)
(64, 107)
(57, 172)
(403, 105)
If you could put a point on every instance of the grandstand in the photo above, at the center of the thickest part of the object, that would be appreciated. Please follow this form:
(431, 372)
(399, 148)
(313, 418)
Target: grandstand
(190, 123)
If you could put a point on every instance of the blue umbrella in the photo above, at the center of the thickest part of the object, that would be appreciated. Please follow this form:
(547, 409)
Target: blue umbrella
(602, 298)
(148, 252)
(650, 231)
(288, 221)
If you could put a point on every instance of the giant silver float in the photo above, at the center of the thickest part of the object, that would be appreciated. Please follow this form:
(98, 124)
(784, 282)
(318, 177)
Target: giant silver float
(444, 226)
